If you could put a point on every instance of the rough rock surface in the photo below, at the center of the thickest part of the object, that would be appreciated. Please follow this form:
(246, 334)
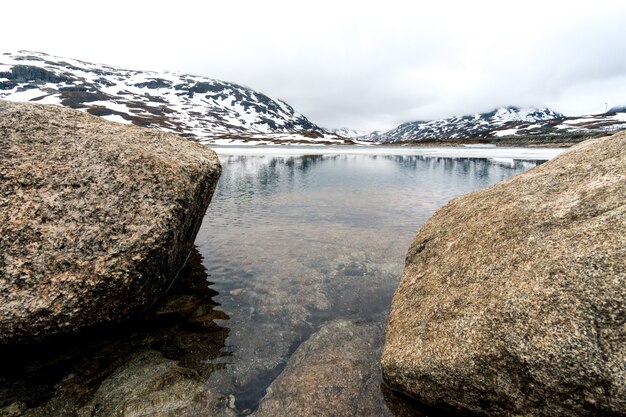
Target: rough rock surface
(325, 376)
(150, 385)
(96, 218)
(155, 364)
(513, 298)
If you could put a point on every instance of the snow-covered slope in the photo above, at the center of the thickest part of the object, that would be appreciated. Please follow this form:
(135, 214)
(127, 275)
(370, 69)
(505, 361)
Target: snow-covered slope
(220, 112)
(201, 108)
(504, 121)
(347, 132)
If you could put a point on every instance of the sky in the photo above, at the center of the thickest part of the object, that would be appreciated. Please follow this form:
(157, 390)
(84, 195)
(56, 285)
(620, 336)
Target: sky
(358, 64)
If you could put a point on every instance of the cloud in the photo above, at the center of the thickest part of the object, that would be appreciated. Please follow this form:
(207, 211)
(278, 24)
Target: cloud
(367, 65)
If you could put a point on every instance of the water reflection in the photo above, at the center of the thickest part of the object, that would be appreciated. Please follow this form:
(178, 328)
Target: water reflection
(295, 242)
(58, 379)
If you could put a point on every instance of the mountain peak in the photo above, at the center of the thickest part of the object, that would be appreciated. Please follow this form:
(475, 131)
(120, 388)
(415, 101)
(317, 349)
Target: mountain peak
(200, 108)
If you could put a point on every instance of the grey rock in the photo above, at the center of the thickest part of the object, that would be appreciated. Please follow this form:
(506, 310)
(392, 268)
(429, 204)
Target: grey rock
(513, 298)
(96, 218)
(334, 373)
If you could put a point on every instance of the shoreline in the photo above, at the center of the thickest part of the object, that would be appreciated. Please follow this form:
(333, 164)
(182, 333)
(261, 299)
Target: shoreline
(544, 141)
(490, 152)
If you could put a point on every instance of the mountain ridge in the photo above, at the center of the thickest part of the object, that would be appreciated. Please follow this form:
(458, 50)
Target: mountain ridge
(200, 108)
(502, 122)
(219, 112)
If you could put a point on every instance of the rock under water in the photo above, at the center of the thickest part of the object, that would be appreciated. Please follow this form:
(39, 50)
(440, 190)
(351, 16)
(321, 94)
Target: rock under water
(513, 298)
(334, 373)
(153, 365)
(96, 218)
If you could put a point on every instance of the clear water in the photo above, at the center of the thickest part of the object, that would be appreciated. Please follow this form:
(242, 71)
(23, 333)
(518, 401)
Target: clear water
(292, 242)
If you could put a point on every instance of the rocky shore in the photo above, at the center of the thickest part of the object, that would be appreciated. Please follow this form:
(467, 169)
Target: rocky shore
(154, 364)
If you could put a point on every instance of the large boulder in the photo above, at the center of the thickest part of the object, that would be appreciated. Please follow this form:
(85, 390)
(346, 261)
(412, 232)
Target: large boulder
(96, 218)
(513, 298)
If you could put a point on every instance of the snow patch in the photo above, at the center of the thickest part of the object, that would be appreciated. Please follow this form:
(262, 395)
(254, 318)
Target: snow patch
(117, 118)
(506, 132)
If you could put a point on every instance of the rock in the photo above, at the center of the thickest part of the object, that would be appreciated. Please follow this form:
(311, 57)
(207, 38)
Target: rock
(150, 385)
(177, 340)
(334, 373)
(513, 298)
(96, 218)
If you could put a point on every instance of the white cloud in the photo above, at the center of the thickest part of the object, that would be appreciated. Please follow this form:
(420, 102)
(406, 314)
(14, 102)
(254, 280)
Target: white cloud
(367, 65)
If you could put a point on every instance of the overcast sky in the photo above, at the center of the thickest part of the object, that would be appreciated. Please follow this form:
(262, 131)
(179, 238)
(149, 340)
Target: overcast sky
(365, 65)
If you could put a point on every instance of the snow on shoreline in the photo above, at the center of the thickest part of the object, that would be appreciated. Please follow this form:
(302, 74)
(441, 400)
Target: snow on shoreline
(444, 152)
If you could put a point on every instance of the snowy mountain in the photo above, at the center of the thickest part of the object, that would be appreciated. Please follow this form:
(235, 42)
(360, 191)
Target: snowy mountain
(219, 112)
(503, 122)
(346, 132)
(200, 108)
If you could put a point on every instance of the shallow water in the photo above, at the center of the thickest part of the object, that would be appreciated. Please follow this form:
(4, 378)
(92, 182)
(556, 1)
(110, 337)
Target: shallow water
(290, 245)
(293, 242)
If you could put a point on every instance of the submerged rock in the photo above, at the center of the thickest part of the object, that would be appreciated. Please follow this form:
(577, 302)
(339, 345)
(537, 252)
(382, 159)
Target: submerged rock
(96, 218)
(149, 365)
(151, 385)
(334, 373)
(513, 298)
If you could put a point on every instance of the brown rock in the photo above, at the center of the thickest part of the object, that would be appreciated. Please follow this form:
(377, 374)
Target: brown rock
(334, 373)
(513, 298)
(96, 217)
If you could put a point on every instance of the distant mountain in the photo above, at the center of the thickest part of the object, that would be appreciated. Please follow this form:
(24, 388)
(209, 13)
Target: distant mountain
(201, 108)
(617, 109)
(502, 122)
(346, 132)
(213, 111)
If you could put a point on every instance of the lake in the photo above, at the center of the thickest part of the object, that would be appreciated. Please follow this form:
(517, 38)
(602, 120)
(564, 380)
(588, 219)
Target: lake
(292, 242)
(297, 259)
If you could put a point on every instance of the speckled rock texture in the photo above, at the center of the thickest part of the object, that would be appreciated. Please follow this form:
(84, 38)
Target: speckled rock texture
(513, 298)
(150, 385)
(96, 218)
(335, 373)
